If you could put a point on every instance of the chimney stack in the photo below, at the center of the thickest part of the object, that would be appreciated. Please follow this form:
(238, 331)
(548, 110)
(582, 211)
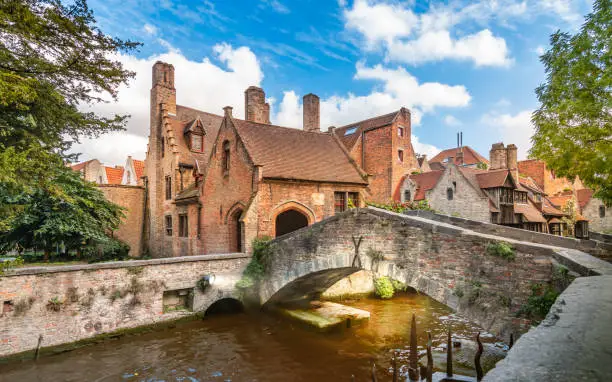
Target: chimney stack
(310, 104)
(498, 157)
(256, 109)
(227, 111)
(511, 160)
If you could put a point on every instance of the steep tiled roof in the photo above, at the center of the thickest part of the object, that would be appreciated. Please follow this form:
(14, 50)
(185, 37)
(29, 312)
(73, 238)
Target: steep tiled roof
(138, 167)
(80, 166)
(490, 179)
(549, 209)
(584, 196)
(436, 166)
(114, 174)
(470, 156)
(530, 184)
(529, 212)
(560, 200)
(287, 153)
(349, 134)
(425, 181)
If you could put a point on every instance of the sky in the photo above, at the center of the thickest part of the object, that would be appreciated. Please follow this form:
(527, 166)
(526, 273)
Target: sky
(458, 66)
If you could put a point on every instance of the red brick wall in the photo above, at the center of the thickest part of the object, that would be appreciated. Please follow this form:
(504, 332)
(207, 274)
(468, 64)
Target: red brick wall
(224, 194)
(378, 157)
(399, 169)
(132, 199)
(544, 178)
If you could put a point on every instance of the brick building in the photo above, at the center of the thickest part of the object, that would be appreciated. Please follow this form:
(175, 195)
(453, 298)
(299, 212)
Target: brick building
(216, 182)
(382, 147)
(88, 170)
(463, 156)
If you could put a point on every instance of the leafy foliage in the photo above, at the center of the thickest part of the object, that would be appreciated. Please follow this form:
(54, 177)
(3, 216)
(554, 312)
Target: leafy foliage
(571, 216)
(8, 264)
(53, 60)
(109, 250)
(401, 207)
(383, 287)
(501, 249)
(399, 286)
(539, 303)
(256, 269)
(574, 123)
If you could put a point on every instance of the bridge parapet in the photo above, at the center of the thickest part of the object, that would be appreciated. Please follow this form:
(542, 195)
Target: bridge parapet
(449, 263)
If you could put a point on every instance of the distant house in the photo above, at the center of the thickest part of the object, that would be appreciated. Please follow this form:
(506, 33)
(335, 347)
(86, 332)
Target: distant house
(463, 156)
(133, 172)
(593, 209)
(88, 170)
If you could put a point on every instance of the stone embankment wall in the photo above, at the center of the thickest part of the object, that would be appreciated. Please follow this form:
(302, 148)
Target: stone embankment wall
(594, 247)
(449, 264)
(132, 199)
(65, 304)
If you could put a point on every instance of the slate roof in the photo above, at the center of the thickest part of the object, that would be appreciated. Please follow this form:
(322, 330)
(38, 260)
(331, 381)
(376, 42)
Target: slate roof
(349, 140)
(470, 156)
(293, 154)
(114, 174)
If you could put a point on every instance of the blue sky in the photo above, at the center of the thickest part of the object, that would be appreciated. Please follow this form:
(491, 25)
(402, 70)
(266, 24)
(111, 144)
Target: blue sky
(469, 66)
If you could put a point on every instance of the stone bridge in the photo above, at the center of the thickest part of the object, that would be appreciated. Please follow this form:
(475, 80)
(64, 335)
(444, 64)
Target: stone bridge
(448, 263)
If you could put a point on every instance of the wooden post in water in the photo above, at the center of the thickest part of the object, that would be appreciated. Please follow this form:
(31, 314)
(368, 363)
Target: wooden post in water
(394, 364)
(374, 373)
(36, 353)
(413, 368)
(479, 374)
(429, 372)
(449, 355)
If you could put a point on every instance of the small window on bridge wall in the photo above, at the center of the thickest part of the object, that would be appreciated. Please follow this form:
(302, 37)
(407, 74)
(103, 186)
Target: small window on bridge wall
(449, 193)
(407, 196)
(178, 299)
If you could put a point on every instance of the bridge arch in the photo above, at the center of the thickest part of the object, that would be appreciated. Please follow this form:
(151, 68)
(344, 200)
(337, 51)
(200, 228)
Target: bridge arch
(290, 216)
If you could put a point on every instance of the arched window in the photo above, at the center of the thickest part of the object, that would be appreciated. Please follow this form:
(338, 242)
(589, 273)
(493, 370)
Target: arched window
(226, 156)
(407, 196)
(449, 193)
(602, 211)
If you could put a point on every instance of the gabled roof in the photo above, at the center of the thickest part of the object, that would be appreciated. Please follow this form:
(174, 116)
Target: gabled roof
(350, 134)
(138, 167)
(425, 181)
(293, 154)
(549, 209)
(194, 126)
(561, 200)
(491, 179)
(584, 196)
(530, 184)
(114, 174)
(80, 166)
(470, 156)
(529, 212)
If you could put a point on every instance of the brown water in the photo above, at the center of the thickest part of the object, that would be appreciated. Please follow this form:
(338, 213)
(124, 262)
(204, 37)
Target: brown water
(261, 347)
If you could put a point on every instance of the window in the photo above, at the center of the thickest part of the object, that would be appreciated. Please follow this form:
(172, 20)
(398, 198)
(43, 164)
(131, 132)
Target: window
(339, 202)
(197, 142)
(163, 148)
(407, 196)
(454, 186)
(400, 155)
(183, 225)
(555, 229)
(168, 187)
(400, 131)
(168, 225)
(602, 211)
(100, 179)
(353, 199)
(226, 156)
(351, 130)
(129, 177)
(449, 193)
(520, 197)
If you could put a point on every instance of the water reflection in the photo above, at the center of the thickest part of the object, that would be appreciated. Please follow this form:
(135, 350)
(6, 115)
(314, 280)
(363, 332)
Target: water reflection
(246, 347)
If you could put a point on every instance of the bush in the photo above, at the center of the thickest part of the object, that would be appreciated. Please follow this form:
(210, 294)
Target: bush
(501, 249)
(539, 303)
(399, 286)
(112, 250)
(256, 269)
(422, 205)
(383, 287)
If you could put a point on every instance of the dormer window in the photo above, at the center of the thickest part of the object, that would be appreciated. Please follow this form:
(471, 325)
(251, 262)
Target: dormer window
(197, 142)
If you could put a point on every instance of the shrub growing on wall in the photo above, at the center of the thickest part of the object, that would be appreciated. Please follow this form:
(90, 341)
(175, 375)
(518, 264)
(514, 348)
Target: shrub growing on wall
(501, 249)
(383, 287)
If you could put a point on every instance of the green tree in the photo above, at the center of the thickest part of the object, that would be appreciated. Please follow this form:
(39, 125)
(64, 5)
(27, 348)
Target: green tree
(77, 216)
(54, 61)
(574, 122)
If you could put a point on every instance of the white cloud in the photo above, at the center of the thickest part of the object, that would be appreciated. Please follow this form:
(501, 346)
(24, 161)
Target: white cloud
(516, 129)
(200, 84)
(482, 48)
(399, 89)
(450, 120)
(540, 50)
(150, 29)
(277, 6)
(424, 148)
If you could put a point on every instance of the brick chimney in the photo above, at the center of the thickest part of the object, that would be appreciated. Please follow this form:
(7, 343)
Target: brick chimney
(312, 118)
(162, 89)
(511, 160)
(227, 111)
(255, 107)
(498, 157)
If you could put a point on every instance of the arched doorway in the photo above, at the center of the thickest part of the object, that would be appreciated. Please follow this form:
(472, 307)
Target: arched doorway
(235, 231)
(289, 221)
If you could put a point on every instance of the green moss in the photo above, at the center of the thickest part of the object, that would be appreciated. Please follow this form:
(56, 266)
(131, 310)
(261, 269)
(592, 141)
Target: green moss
(257, 268)
(539, 303)
(383, 287)
(399, 286)
(501, 249)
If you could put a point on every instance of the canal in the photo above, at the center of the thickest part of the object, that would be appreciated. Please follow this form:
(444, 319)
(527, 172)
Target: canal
(264, 347)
